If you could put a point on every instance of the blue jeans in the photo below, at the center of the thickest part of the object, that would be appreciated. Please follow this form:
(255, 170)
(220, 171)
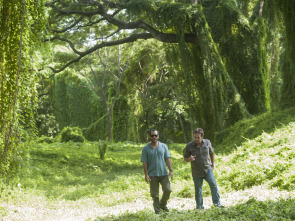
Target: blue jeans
(213, 187)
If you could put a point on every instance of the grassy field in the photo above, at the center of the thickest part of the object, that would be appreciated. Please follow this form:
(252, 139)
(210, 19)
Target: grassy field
(255, 172)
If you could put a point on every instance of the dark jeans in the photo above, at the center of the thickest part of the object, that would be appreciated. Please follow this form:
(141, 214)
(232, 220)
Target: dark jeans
(213, 187)
(154, 188)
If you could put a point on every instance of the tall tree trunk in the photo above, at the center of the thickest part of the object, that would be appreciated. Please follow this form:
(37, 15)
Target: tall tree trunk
(110, 134)
(288, 70)
(182, 127)
(261, 4)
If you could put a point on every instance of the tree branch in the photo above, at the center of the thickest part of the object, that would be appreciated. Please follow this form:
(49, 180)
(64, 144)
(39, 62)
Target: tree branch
(68, 28)
(100, 10)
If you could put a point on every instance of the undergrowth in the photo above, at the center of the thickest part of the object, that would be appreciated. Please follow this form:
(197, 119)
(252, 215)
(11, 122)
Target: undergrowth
(232, 137)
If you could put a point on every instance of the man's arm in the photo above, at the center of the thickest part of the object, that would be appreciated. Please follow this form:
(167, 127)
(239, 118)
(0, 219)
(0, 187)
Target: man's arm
(168, 162)
(186, 152)
(212, 160)
(145, 169)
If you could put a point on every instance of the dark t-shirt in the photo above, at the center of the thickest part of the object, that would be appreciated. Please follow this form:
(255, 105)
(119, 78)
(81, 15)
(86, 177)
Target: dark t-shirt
(202, 164)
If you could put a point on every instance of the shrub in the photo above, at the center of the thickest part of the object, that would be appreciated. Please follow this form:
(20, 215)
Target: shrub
(72, 134)
(45, 139)
(102, 150)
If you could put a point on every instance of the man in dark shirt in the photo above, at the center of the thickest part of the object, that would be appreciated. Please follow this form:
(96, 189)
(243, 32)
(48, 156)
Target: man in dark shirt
(201, 155)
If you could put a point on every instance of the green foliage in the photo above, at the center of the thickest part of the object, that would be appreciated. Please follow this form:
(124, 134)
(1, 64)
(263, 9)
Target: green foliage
(73, 103)
(102, 150)
(46, 122)
(228, 73)
(21, 23)
(71, 134)
(174, 17)
(120, 122)
(152, 97)
(46, 139)
(233, 32)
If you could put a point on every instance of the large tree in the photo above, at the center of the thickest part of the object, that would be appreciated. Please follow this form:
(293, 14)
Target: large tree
(222, 47)
(99, 78)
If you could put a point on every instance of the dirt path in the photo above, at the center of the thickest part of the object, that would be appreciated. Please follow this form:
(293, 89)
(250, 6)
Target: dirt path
(39, 208)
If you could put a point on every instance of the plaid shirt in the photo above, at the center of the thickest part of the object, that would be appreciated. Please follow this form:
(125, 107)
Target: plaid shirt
(202, 164)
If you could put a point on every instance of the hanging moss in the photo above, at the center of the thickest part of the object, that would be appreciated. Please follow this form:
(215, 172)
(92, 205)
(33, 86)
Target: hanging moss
(74, 103)
(216, 98)
(21, 23)
(287, 8)
(121, 113)
(223, 77)
(243, 50)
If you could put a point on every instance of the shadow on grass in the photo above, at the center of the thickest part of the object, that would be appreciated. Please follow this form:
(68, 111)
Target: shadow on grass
(74, 173)
(251, 210)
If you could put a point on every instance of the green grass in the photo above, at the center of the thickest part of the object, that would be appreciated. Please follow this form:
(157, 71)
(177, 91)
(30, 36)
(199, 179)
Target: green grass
(252, 164)
(268, 159)
(251, 210)
(71, 171)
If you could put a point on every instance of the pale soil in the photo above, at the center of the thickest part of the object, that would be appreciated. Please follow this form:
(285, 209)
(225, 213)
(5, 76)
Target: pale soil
(39, 208)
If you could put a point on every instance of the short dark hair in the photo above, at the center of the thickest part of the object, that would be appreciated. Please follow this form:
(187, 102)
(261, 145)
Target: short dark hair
(153, 130)
(199, 131)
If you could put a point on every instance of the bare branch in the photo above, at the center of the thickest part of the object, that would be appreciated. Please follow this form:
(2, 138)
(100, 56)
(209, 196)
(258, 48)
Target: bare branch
(65, 40)
(71, 26)
(120, 78)
(131, 38)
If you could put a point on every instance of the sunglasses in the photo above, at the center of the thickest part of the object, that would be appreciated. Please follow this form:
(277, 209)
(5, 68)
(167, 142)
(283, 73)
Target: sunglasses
(154, 135)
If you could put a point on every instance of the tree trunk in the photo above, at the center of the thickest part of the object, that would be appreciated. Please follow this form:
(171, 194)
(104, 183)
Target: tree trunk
(182, 128)
(110, 135)
(261, 4)
(288, 70)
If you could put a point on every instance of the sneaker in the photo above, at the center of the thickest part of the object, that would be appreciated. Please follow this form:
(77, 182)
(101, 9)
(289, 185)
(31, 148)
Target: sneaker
(200, 208)
(219, 205)
(165, 209)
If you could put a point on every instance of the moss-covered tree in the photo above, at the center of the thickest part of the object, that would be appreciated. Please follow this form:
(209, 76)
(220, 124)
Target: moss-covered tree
(288, 69)
(20, 24)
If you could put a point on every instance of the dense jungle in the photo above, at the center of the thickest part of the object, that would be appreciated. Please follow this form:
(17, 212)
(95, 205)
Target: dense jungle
(85, 80)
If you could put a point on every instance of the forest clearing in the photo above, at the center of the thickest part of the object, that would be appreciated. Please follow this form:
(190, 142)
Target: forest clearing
(69, 181)
(87, 87)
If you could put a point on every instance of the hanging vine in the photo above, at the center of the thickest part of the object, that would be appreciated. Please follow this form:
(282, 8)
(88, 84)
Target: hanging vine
(20, 23)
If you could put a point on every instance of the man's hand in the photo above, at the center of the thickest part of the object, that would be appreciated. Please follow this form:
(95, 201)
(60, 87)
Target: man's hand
(147, 179)
(171, 175)
(190, 158)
